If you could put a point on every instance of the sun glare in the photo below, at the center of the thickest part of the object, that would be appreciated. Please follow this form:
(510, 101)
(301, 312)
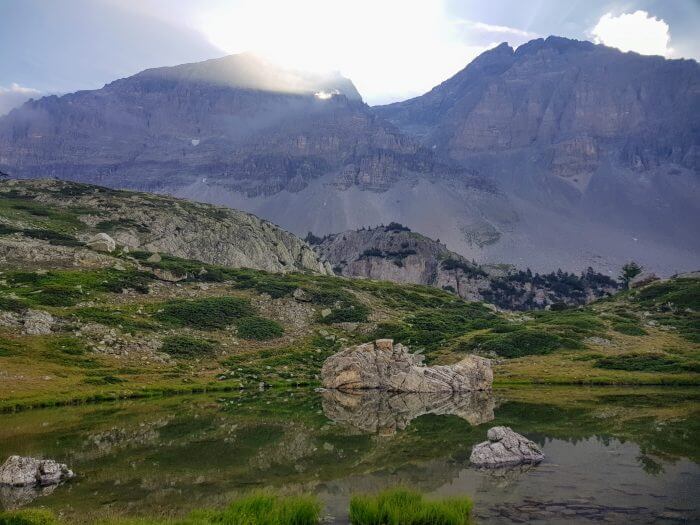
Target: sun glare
(407, 43)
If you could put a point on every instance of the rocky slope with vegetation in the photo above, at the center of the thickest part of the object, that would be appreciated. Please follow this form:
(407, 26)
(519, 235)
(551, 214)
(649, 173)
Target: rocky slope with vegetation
(395, 253)
(79, 324)
(46, 223)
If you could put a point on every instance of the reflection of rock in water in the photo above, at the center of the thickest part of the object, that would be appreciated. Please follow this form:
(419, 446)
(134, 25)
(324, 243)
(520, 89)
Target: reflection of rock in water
(15, 497)
(378, 411)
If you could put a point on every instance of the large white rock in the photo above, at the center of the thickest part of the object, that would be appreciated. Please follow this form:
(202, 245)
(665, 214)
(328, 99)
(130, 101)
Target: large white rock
(22, 471)
(505, 447)
(383, 365)
(102, 243)
(37, 322)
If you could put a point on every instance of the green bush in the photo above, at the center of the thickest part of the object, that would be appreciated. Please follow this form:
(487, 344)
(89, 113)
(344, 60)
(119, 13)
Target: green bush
(259, 328)
(57, 295)
(628, 328)
(646, 363)
(12, 305)
(406, 507)
(212, 312)
(128, 323)
(188, 347)
(518, 343)
(351, 314)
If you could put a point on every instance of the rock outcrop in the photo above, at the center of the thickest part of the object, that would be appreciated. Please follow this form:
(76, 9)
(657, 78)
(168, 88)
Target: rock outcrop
(395, 253)
(385, 413)
(158, 224)
(37, 322)
(505, 447)
(19, 471)
(385, 366)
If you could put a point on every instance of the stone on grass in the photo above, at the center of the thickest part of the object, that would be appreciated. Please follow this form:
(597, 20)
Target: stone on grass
(102, 243)
(505, 447)
(386, 366)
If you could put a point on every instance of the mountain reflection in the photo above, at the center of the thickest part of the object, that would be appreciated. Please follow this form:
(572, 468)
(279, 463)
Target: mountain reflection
(385, 413)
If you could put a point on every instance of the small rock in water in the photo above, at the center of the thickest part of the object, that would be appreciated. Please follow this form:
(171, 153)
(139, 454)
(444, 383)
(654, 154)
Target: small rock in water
(505, 447)
(19, 471)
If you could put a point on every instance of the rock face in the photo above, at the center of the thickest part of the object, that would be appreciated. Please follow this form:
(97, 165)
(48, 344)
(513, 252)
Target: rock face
(37, 322)
(503, 448)
(384, 366)
(157, 224)
(395, 253)
(385, 413)
(22, 471)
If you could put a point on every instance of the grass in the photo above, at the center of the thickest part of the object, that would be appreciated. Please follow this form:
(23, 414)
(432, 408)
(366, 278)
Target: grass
(406, 507)
(651, 362)
(259, 508)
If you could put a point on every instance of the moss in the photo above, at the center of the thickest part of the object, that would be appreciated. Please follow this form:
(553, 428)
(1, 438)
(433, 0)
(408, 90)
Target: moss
(212, 312)
(188, 347)
(406, 507)
(259, 328)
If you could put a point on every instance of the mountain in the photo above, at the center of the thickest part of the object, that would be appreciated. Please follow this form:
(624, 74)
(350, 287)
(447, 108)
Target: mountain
(598, 150)
(47, 223)
(560, 154)
(395, 253)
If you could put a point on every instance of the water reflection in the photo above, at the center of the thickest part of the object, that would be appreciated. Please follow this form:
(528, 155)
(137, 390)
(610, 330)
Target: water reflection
(385, 413)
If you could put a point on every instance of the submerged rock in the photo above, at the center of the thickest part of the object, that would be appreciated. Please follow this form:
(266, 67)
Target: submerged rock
(22, 471)
(505, 447)
(385, 366)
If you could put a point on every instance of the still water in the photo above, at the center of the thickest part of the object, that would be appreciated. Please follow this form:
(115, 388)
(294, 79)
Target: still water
(612, 455)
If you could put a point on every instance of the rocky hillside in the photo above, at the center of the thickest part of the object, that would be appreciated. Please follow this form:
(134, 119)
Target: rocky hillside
(50, 223)
(395, 253)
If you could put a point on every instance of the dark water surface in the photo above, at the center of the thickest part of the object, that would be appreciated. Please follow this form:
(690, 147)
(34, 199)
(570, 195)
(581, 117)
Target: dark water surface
(613, 455)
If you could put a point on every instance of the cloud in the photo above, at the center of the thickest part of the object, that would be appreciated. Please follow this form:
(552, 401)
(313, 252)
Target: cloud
(503, 30)
(638, 31)
(15, 95)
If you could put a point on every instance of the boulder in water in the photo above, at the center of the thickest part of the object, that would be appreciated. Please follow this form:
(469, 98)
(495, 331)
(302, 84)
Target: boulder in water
(22, 471)
(505, 447)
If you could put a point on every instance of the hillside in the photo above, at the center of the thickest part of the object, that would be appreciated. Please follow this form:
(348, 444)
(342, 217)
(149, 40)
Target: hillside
(100, 325)
(395, 253)
(45, 224)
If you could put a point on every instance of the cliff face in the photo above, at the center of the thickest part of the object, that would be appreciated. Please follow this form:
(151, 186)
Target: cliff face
(394, 253)
(47, 210)
(237, 121)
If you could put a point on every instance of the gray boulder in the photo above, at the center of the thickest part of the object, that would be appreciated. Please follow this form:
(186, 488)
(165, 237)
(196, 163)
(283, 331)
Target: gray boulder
(505, 447)
(102, 243)
(385, 366)
(37, 322)
(19, 471)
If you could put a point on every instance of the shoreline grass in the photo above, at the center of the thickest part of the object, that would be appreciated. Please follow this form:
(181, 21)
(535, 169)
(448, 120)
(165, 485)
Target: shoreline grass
(406, 507)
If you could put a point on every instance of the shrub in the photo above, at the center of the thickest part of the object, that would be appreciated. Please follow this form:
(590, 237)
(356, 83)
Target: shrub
(212, 312)
(187, 347)
(396, 227)
(130, 279)
(259, 328)
(57, 295)
(357, 313)
(645, 363)
(12, 305)
(114, 318)
(628, 328)
(406, 507)
(518, 343)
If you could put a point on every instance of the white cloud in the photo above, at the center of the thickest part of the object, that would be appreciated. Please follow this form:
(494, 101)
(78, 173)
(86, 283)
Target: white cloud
(503, 30)
(15, 95)
(638, 31)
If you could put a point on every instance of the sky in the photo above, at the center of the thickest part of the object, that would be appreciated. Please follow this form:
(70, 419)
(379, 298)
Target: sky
(390, 49)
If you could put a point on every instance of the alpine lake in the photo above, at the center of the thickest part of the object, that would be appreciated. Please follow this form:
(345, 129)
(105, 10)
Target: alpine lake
(613, 454)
